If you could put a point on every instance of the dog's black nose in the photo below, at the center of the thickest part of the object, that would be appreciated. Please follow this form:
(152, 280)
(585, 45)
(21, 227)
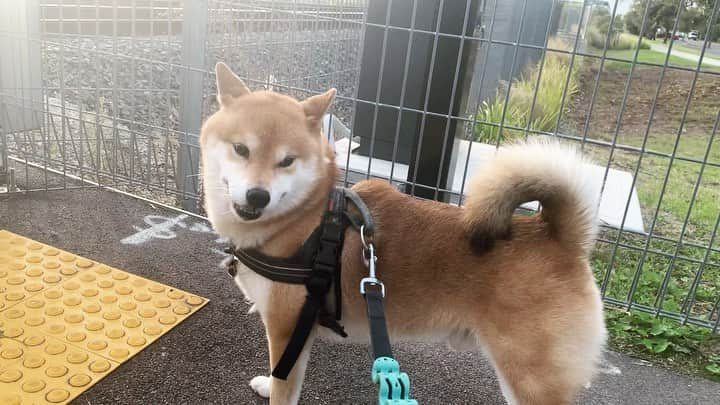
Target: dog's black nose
(257, 197)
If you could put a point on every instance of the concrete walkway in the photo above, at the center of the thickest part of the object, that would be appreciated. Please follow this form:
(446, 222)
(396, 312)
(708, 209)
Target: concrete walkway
(210, 357)
(708, 61)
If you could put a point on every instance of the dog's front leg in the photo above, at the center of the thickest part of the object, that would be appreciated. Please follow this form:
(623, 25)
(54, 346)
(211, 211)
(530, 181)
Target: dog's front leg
(282, 392)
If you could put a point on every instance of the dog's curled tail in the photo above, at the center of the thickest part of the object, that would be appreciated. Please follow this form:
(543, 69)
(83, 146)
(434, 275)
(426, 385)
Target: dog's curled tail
(544, 170)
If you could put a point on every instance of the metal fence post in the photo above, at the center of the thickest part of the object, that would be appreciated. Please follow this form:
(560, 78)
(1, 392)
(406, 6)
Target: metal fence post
(20, 78)
(431, 81)
(4, 174)
(432, 153)
(194, 32)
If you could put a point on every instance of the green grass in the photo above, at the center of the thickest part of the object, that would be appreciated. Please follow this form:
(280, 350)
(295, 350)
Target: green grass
(686, 348)
(677, 45)
(689, 349)
(682, 177)
(649, 56)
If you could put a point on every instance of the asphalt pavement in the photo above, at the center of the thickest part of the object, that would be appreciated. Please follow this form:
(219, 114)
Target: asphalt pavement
(210, 357)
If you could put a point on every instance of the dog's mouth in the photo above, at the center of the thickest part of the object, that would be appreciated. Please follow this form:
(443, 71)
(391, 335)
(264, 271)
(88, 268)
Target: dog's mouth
(247, 212)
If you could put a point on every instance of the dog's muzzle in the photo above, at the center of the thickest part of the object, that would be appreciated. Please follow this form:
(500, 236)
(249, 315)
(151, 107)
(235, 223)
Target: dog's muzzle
(247, 212)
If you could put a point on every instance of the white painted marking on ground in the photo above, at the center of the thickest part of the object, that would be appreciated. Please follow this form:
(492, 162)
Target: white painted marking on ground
(165, 228)
(200, 227)
(160, 228)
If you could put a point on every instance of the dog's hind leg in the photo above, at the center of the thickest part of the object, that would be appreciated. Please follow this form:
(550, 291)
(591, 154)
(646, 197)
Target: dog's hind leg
(545, 367)
(534, 380)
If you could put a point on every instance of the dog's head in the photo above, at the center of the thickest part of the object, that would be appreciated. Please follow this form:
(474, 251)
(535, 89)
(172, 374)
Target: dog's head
(263, 153)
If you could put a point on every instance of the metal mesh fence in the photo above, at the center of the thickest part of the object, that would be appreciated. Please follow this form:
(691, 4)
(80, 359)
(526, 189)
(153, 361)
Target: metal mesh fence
(112, 93)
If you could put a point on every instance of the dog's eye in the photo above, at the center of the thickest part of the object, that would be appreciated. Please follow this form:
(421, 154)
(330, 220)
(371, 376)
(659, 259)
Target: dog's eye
(241, 150)
(287, 161)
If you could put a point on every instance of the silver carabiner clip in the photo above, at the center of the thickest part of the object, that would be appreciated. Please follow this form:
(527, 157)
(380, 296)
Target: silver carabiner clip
(370, 264)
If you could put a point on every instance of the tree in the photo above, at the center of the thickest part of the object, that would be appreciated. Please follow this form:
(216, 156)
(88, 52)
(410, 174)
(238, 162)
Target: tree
(632, 22)
(663, 15)
(692, 19)
(619, 23)
(660, 14)
(705, 10)
(599, 28)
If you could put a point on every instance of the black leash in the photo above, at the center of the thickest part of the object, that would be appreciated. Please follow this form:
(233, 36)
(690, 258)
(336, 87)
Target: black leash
(374, 292)
(393, 385)
(379, 337)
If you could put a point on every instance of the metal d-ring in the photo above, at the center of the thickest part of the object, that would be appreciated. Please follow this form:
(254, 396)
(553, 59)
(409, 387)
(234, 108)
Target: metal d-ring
(362, 238)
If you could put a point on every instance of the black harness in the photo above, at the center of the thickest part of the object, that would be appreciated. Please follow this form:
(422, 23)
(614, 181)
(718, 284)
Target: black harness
(317, 265)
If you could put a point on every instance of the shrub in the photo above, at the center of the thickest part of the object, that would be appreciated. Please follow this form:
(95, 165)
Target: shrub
(617, 42)
(598, 28)
(491, 116)
(547, 108)
(596, 39)
(644, 44)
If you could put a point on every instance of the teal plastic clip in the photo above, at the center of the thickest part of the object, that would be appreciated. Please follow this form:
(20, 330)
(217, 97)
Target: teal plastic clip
(393, 386)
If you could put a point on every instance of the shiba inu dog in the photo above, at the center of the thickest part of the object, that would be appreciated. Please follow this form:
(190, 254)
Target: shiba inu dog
(517, 287)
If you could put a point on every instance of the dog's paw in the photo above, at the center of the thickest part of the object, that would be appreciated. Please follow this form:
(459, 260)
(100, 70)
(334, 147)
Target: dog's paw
(261, 385)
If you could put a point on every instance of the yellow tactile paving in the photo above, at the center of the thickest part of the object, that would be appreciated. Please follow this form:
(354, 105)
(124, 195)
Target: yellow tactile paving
(66, 321)
(47, 370)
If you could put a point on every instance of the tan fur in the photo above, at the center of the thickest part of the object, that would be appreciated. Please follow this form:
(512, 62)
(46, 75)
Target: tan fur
(527, 171)
(529, 301)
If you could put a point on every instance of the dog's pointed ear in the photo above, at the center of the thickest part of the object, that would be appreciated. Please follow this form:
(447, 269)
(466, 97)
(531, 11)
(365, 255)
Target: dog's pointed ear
(229, 86)
(316, 106)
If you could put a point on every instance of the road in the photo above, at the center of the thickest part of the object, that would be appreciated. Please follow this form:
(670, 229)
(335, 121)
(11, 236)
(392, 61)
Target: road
(712, 51)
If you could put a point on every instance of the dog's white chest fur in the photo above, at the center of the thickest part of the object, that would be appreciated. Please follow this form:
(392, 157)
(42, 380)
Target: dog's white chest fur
(254, 287)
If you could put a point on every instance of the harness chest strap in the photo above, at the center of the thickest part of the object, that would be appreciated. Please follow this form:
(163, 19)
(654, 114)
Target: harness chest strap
(318, 272)
(326, 269)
